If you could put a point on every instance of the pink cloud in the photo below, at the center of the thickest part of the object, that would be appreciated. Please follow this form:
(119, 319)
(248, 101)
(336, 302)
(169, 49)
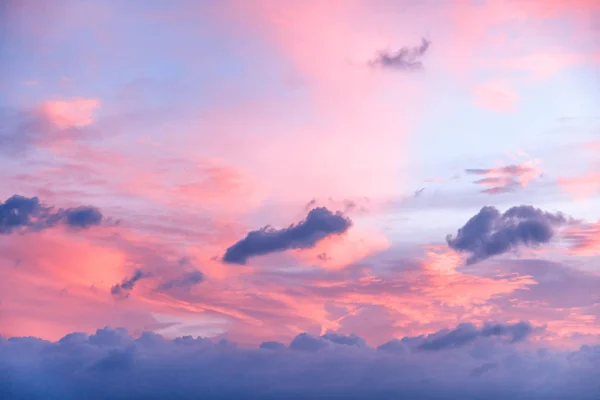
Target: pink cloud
(337, 252)
(75, 112)
(583, 186)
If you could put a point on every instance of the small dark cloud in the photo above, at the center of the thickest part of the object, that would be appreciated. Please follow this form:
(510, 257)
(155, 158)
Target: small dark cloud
(123, 289)
(319, 223)
(83, 217)
(406, 59)
(491, 233)
(19, 212)
(465, 334)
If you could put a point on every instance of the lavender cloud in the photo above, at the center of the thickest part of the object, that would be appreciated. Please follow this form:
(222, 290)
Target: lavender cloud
(319, 223)
(112, 364)
(491, 233)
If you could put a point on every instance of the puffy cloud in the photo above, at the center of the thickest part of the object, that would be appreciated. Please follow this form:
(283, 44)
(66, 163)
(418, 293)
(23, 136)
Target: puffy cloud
(19, 212)
(491, 233)
(123, 289)
(319, 224)
(407, 58)
(112, 364)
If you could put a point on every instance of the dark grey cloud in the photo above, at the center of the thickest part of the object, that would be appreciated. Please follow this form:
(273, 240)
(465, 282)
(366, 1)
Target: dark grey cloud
(407, 58)
(319, 223)
(113, 365)
(23, 213)
(123, 289)
(465, 334)
(491, 233)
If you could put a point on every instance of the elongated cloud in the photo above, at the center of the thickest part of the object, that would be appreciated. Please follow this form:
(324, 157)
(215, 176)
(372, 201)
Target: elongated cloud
(407, 58)
(491, 233)
(19, 212)
(319, 223)
(467, 333)
(113, 364)
(186, 281)
(123, 289)
(507, 178)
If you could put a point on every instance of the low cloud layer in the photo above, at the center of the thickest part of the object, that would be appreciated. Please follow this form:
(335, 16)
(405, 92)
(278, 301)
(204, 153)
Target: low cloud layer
(112, 364)
(27, 213)
(319, 224)
(491, 233)
(407, 58)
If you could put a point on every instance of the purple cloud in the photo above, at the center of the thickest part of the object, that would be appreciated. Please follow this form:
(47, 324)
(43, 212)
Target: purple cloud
(491, 233)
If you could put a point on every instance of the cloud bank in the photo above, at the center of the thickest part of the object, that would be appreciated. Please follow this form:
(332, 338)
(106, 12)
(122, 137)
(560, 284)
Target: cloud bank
(491, 233)
(112, 364)
(319, 224)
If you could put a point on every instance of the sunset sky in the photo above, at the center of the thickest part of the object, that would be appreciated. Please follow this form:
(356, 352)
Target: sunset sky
(251, 171)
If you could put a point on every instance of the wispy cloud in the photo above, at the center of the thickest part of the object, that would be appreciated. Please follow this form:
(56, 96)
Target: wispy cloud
(507, 178)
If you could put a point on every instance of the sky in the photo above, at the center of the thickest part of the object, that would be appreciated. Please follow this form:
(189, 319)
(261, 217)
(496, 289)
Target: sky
(385, 198)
